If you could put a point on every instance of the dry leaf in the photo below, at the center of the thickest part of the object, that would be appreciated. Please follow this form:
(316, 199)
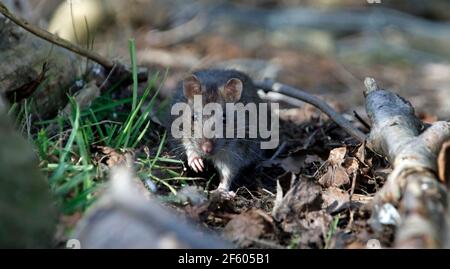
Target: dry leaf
(297, 160)
(335, 199)
(312, 228)
(336, 175)
(111, 157)
(351, 166)
(361, 153)
(302, 198)
(337, 156)
(253, 223)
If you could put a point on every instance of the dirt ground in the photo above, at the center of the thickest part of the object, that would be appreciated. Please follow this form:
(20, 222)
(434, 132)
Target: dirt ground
(313, 190)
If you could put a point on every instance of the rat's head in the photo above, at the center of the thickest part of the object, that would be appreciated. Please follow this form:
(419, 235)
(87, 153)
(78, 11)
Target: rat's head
(210, 92)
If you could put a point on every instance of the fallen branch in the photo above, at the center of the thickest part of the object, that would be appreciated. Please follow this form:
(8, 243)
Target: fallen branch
(413, 185)
(313, 100)
(106, 63)
(37, 69)
(54, 39)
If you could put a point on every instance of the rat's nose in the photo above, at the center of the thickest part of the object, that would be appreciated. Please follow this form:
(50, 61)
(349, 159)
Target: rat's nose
(207, 147)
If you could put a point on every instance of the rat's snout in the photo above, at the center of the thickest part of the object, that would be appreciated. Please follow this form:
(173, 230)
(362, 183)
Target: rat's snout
(207, 146)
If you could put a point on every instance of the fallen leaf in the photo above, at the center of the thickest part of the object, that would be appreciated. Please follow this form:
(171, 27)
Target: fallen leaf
(284, 183)
(337, 156)
(351, 166)
(112, 157)
(361, 153)
(251, 224)
(297, 160)
(312, 228)
(335, 199)
(302, 198)
(336, 175)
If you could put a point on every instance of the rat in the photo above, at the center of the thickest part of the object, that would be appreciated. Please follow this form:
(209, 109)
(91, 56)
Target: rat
(228, 155)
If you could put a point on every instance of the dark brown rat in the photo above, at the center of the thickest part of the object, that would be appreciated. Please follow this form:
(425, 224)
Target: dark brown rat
(229, 155)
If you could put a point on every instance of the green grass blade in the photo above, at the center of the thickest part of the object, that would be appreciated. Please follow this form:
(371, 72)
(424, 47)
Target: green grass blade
(75, 125)
(132, 45)
(141, 135)
(158, 152)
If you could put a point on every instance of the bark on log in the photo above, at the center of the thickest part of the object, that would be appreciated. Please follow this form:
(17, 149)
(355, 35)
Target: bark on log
(34, 67)
(413, 185)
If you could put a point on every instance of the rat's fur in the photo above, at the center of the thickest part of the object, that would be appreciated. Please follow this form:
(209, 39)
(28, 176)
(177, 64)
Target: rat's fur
(230, 155)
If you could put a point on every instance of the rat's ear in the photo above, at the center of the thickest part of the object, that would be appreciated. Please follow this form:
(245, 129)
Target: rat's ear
(191, 86)
(232, 90)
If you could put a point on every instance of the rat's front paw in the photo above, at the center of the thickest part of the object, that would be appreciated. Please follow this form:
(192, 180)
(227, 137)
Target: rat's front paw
(223, 194)
(196, 163)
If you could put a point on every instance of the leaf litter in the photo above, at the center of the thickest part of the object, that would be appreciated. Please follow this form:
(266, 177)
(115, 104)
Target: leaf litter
(312, 195)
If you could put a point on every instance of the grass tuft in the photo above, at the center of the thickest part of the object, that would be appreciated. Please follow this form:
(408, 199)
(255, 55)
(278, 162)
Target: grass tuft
(68, 145)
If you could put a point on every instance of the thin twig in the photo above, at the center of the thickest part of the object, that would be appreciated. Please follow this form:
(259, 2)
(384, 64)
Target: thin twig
(106, 63)
(361, 120)
(268, 85)
(116, 68)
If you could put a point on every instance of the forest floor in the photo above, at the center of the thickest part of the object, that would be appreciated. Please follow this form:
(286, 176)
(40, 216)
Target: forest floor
(325, 175)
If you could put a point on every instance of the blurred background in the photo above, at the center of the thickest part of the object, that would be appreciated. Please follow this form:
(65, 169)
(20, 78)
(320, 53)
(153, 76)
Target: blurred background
(324, 46)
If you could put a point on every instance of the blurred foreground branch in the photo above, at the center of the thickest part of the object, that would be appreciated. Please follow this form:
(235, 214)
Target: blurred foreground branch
(148, 224)
(27, 215)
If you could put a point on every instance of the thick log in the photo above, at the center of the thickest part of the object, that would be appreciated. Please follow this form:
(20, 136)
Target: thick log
(413, 185)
